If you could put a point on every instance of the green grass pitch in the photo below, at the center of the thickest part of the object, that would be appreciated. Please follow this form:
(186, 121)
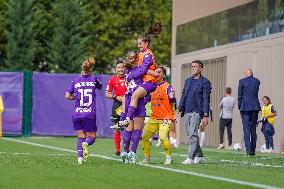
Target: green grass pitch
(51, 162)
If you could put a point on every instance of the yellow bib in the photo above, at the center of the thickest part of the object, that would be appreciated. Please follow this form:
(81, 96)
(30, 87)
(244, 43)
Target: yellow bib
(265, 111)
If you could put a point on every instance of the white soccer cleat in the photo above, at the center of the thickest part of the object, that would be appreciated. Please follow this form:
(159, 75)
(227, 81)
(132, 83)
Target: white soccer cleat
(124, 157)
(169, 160)
(132, 157)
(125, 122)
(80, 160)
(146, 160)
(198, 160)
(188, 161)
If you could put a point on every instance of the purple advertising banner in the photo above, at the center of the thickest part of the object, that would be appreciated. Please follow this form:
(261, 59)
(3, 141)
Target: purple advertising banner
(11, 90)
(52, 113)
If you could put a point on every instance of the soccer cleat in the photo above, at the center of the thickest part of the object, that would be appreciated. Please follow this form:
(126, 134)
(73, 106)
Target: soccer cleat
(198, 160)
(146, 160)
(169, 160)
(117, 153)
(124, 123)
(132, 157)
(124, 157)
(85, 150)
(188, 161)
(117, 127)
(80, 160)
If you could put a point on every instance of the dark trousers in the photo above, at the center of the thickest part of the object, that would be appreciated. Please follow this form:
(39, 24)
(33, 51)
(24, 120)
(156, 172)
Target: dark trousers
(228, 124)
(249, 120)
(268, 132)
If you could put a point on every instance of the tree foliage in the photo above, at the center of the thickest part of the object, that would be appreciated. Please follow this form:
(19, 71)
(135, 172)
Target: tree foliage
(21, 43)
(49, 35)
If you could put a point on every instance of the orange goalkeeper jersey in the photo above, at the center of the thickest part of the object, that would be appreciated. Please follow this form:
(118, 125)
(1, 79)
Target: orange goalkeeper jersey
(161, 106)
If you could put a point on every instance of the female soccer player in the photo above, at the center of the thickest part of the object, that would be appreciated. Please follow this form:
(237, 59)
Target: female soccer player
(82, 90)
(117, 85)
(133, 130)
(146, 68)
(162, 117)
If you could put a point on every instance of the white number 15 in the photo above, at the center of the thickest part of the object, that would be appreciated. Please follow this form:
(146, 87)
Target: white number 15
(85, 93)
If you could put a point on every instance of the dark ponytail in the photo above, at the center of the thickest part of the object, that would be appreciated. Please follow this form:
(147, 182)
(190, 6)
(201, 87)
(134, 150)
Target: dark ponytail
(152, 32)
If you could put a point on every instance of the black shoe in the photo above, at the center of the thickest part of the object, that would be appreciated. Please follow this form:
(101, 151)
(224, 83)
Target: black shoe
(252, 154)
(117, 153)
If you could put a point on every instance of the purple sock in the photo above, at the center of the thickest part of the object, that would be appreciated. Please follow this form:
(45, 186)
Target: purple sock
(90, 140)
(135, 140)
(126, 140)
(79, 146)
(131, 111)
(122, 116)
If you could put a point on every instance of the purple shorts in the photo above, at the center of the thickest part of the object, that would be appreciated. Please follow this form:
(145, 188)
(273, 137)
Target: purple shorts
(149, 87)
(85, 124)
(141, 111)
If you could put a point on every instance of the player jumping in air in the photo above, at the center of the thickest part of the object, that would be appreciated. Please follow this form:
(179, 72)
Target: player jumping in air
(146, 68)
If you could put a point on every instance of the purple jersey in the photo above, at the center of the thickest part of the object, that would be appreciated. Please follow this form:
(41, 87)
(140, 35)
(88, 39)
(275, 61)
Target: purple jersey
(134, 83)
(83, 89)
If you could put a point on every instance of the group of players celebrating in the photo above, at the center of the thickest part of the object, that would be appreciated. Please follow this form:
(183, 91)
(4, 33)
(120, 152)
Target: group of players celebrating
(139, 80)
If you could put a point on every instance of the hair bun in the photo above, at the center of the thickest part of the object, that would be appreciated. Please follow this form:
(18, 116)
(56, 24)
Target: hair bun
(91, 60)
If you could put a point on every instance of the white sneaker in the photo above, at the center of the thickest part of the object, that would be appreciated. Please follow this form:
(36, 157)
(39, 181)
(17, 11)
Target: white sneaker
(270, 150)
(146, 160)
(169, 160)
(124, 157)
(80, 160)
(158, 143)
(188, 161)
(132, 157)
(221, 146)
(229, 147)
(198, 160)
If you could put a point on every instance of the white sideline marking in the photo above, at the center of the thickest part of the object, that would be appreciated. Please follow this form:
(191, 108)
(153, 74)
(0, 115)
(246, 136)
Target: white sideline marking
(233, 161)
(250, 163)
(157, 167)
(41, 154)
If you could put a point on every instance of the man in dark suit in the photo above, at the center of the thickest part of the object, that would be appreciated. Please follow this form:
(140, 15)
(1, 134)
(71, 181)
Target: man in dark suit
(194, 105)
(249, 107)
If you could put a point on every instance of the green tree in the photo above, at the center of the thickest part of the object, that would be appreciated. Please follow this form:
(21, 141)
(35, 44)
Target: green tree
(3, 16)
(43, 34)
(116, 25)
(21, 43)
(68, 47)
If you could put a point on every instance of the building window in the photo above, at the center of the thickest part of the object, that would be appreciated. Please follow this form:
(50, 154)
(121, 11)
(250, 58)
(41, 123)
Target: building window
(254, 19)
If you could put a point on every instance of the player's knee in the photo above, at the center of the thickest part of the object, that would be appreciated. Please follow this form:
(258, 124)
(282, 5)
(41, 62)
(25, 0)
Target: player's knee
(145, 138)
(164, 139)
(135, 96)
